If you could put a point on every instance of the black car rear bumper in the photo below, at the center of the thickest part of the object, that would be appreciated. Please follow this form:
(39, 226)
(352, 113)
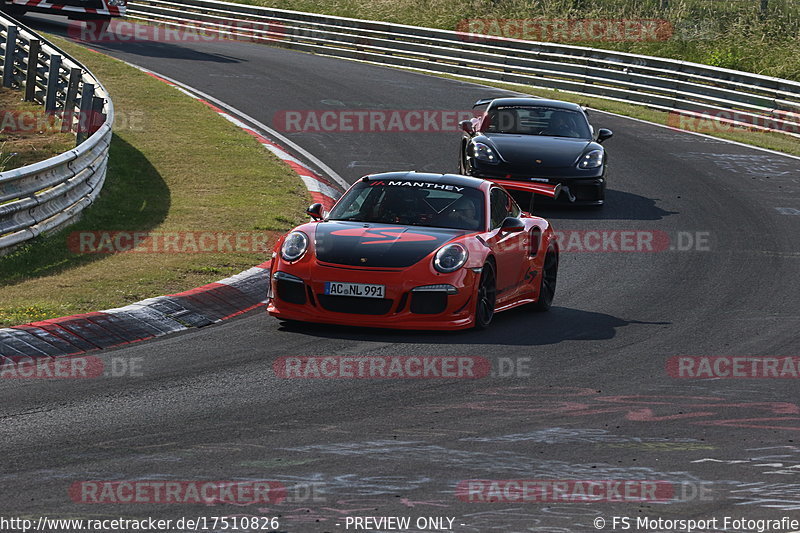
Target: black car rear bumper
(574, 190)
(578, 191)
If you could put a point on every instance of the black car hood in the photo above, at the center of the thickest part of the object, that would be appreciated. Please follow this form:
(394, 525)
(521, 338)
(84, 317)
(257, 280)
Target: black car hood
(377, 245)
(553, 152)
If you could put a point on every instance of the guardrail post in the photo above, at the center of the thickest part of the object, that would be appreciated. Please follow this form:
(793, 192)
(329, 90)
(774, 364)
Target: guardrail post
(51, 91)
(50, 194)
(98, 118)
(73, 84)
(8, 58)
(34, 47)
(84, 115)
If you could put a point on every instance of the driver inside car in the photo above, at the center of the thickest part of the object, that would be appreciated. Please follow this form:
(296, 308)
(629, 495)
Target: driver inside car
(561, 125)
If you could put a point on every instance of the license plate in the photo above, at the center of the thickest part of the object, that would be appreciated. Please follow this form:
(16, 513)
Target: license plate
(361, 290)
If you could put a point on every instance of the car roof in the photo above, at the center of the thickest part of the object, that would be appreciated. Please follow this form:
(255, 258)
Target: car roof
(444, 179)
(534, 102)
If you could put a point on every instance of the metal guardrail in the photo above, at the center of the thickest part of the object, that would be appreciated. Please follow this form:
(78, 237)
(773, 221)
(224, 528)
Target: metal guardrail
(759, 102)
(45, 196)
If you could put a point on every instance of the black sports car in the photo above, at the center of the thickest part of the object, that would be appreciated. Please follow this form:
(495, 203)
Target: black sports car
(532, 139)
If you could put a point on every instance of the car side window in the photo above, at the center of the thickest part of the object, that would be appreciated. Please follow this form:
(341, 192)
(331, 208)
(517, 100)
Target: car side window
(513, 209)
(499, 207)
(502, 206)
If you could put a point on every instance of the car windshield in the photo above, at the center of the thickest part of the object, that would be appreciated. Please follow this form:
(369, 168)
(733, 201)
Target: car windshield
(530, 120)
(413, 203)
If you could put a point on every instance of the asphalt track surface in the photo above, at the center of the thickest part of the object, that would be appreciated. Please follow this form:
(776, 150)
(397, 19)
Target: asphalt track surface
(594, 402)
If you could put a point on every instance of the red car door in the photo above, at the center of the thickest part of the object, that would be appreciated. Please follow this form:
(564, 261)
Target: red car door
(510, 248)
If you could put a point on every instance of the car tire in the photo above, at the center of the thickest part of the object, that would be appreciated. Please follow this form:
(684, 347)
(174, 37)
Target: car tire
(485, 297)
(602, 197)
(547, 286)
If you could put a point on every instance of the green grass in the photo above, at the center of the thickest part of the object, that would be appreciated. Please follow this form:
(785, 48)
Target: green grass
(175, 165)
(726, 33)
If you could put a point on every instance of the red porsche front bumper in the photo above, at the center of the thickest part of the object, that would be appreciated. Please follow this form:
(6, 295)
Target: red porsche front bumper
(417, 297)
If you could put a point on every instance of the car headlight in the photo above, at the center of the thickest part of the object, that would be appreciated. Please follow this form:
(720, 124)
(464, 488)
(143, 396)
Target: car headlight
(450, 258)
(591, 159)
(484, 152)
(294, 246)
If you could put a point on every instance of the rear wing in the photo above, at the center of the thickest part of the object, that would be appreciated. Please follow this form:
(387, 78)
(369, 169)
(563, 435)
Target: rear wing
(544, 189)
(483, 101)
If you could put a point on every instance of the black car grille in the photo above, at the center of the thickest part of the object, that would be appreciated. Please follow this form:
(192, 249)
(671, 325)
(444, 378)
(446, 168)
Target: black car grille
(355, 305)
(586, 192)
(292, 292)
(428, 303)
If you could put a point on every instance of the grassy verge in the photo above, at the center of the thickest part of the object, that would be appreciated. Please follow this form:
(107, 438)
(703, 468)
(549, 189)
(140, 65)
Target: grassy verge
(175, 166)
(733, 34)
(27, 135)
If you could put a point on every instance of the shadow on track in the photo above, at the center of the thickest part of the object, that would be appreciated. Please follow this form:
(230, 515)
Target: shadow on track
(517, 327)
(159, 50)
(619, 206)
(141, 46)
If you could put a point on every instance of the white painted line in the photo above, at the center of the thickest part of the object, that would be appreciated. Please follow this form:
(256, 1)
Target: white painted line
(477, 81)
(187, 93)
(281, 154)
(222, 105)
(317, 186)
(313, 182)
(231, 118)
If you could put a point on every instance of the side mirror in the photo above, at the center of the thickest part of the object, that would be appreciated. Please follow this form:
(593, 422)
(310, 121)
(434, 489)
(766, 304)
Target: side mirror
(512, 225)
(315, 210)
(603, 134)
(467, 126)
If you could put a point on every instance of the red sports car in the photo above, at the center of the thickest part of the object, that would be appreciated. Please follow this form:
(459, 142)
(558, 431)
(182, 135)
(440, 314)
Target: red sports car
(416, 251)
